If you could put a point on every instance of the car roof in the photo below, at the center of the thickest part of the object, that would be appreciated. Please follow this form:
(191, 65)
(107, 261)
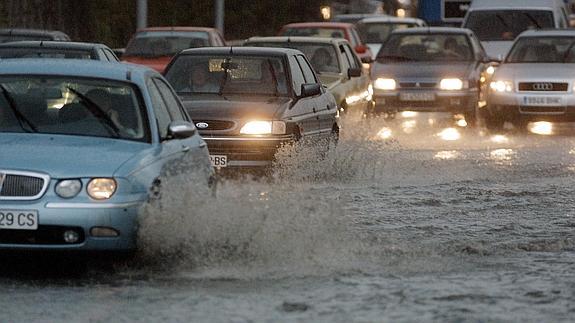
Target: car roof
(433, 30)
(319, 25)
(298, 39)
(72, 67)
(176, 28)
(548, 32)
(25, 31)
(391, 19)
(264, 51)
(515, 4)
(51, 44)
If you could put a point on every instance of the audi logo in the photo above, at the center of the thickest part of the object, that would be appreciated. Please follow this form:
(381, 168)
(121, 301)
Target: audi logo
(542, 86)
(202, 125)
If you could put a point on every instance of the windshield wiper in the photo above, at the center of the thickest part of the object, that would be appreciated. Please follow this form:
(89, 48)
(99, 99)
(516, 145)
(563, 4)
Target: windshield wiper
(276, 84)
(19, 116)
(396, 57)
(97, 112)
(533, 20)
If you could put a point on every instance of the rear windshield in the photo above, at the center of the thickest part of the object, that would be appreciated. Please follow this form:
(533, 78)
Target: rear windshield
(323, 57)
(7, 52)
(490, 25)
(426, 47)
(11, 38)
(543, 50)
(168, 43)
(248, 75)
(314, 32)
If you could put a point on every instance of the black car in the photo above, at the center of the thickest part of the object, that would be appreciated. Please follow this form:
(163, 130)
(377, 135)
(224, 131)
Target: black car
(247, 101)
(18, 34)
(57, 49)
(435, 69)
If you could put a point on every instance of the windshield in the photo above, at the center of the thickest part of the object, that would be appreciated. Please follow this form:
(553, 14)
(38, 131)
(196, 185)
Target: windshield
(378, 32)
(168, 43)
(315, 32)
(258, 75)
(426, 47)
(490, 25)
(71, 106)
(543, 50)
(323, 57)
(8, 52)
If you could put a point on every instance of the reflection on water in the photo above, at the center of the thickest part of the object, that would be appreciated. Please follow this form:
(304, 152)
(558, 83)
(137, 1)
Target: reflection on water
(500, 139)
(503, 156)
(450, 134)
(447, 155)
(541, 128)
(384, 133)
(408, 126)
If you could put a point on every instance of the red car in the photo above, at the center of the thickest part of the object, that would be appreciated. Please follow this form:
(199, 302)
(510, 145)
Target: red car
(155, 46)
(330, 29)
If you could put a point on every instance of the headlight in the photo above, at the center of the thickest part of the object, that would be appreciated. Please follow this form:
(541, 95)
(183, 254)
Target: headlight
(501, 86)
(384, 84)
(264, 128)
(101, 188)
(68, 188)
(490, 70)
(451, 84)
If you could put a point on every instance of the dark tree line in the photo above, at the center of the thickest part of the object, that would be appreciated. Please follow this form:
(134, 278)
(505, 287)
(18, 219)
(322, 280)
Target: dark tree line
(113, 21)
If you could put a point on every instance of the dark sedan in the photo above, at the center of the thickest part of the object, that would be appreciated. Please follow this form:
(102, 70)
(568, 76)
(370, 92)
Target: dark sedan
(247, 102)
(434, 69)
(57, 49)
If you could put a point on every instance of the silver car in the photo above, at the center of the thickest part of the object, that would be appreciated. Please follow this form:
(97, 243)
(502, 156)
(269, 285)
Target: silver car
(536, 80)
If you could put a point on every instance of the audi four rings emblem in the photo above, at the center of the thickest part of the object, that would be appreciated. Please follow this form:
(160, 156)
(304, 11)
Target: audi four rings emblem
(202, 125)
(542, 86)
(2, 178)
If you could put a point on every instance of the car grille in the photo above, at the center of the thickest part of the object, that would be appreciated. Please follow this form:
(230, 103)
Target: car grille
(215, 124)
(541, 110)
(45, 235)
(543, 86)
(27, 186)
(427, 85)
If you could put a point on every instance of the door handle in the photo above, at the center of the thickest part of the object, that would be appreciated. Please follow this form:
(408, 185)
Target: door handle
(203, 145)
(185, 149)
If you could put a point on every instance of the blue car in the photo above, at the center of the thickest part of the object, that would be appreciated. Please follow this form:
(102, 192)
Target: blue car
(83, 146)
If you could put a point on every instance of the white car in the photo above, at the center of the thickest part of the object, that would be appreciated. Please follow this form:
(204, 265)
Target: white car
(375, 30)
(536, 80)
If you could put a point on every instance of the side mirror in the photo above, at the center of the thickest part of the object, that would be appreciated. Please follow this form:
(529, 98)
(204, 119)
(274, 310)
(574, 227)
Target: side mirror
(360, 49)
(310, 89)
(354, 72)
(181, 129)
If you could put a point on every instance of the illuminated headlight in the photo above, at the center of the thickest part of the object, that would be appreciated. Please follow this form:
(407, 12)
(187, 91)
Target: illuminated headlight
(501, 86)
(490, 70)
(264, 128)
(451, 84)
(385, 84)
(68, 188)
(101, 188)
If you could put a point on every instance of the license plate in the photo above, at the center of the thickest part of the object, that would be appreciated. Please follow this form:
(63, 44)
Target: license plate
(542, 100)
(19, 219)
(415, 96)
(219, 160)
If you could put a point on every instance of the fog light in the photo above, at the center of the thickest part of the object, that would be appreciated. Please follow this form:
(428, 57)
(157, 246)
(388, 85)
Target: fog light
(104, 232)
(71, 236)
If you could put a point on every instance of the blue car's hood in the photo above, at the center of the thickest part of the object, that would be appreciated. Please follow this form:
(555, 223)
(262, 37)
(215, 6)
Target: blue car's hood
(66, 156)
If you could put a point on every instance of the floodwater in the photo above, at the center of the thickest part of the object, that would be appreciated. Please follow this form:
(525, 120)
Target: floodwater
(406, 221)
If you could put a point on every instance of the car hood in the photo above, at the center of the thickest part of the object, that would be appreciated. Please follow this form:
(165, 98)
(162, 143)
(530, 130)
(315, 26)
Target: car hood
(66, 156)
(497, 49)
(422, 70)
(535, 72)
(158, 63)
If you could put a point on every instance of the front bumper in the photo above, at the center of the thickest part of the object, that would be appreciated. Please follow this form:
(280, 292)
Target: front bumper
(463, 101)
(54, 218)
(247, 151)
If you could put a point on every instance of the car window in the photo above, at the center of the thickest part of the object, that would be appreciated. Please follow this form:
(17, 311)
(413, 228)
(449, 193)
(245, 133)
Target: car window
(165, 43)
(171, 100)
(378, 32)
(351, 58)
(110, 55)
(296, 75)
(355, 39)
(160, 109)
(31, 52)
(491, 25)
(72, 106)
(424, 47)
(543, 50)
(307, 70)
(314, 32)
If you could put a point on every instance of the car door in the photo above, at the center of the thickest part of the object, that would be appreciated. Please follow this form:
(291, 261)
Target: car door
(175, 153)
(303, 112)
(325, 109)
(357, 85)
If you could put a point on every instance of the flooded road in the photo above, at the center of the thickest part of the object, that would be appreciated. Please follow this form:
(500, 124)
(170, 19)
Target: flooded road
(403, 221)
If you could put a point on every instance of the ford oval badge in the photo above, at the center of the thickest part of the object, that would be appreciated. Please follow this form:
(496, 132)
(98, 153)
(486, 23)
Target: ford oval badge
(202, 125)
